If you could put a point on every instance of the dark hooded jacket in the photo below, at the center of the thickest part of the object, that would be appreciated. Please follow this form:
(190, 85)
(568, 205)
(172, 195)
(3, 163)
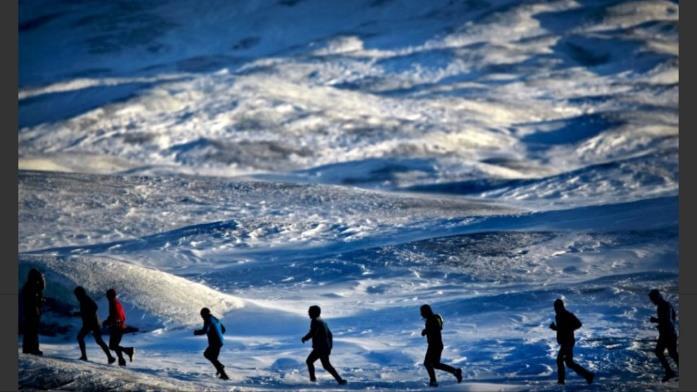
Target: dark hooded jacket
(434, 324)
(666, 318)
(88, 312)
(566, 323)
(320, 334)
(33, 297)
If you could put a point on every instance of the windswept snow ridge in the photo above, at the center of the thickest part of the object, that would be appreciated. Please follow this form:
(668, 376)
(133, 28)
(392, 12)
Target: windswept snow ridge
(175, 300)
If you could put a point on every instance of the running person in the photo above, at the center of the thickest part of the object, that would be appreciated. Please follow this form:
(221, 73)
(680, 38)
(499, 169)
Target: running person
(667, 338)
(117, 324)
(214, 330)
(321, 345)
(434, 324)
(90, 323)
(565, 324)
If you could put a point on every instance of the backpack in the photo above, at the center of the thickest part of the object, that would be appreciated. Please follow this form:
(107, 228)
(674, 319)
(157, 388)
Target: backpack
(440, 321)
(672, 315)
(576, 322)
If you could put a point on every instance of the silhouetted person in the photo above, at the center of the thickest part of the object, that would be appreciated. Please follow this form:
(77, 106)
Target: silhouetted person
(434, 324)
(667, 338)
(566, 324)
(117, 324)
(214, 330)
(321, 345)
(90, 323)
(32, 299)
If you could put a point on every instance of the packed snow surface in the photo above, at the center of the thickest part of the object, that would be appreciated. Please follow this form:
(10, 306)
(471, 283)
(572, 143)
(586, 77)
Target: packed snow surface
(260, 156)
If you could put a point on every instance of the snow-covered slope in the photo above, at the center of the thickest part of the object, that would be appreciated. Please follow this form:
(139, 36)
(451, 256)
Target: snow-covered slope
(466, 91)
(261, 156)
(174, 299)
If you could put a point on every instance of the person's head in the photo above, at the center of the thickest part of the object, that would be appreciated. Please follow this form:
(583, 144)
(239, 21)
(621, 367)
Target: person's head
(111, 294)
(314, 311)
(558, 305)
(426, 311)
(655, 296)
(80, 292)
(205, 313)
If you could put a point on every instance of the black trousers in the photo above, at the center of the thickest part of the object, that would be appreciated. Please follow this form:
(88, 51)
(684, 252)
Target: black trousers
(86, 329)
(432, 361)
(566, 356)
(115, 336)
(30, 336)
(670, 342)
(211, 354)
(323, 356)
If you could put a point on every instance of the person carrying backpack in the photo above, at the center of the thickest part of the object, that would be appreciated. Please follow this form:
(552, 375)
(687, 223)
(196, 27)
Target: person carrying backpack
(214, 330)
(117, 324)
(565, 324)
(434, 324)
(321, 345)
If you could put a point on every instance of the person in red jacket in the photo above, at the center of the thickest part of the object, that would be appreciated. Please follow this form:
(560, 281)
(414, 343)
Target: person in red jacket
(117, 324)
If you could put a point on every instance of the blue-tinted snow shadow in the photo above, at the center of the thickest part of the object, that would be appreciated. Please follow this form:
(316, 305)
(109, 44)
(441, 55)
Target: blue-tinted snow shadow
(179, 235)
(614, 51)
(607, 56)
(52, 107)
(430, 256)
(573, 130)
(646, 214)
(372, 172)
(586, 174)
(590, 12)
